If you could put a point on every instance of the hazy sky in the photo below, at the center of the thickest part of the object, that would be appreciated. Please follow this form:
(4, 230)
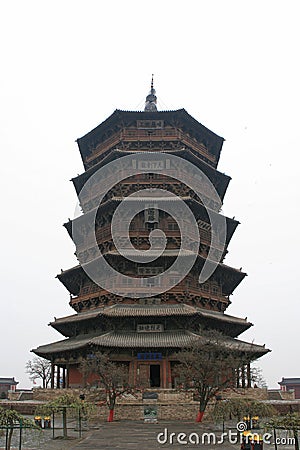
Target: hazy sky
(67, 65)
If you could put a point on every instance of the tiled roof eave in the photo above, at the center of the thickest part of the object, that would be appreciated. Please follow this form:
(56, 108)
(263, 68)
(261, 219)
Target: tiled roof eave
(135, 340)
(132, 310)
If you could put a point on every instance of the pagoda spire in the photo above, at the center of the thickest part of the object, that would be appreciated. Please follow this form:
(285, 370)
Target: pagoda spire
(150, 104)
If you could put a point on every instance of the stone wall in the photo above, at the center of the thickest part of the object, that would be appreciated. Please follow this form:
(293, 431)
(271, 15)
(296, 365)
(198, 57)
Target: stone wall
(164, 395)
(13, 395)
(171, 404)
(278, 394)
(20, 395)
(129, 411)
(254, 393)
(21, 407)
(288, 395)
(49, 394)
(286, 406)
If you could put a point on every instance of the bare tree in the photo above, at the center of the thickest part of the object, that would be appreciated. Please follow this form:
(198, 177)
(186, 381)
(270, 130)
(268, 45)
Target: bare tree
(110, 375)
(39, 368)
(258, 378)
(207, 367)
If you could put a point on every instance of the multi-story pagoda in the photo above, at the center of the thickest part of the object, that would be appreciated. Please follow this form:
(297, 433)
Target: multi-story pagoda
(145, 325)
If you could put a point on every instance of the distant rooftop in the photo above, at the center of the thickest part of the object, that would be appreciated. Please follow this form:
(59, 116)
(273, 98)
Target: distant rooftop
(10, 381)
(289, 381)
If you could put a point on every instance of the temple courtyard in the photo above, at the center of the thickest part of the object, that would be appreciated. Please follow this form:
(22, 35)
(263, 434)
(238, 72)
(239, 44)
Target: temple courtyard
(130, 435)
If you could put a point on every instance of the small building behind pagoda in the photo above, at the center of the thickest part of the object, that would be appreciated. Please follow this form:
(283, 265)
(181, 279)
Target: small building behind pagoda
(7, 385)
(290, 384)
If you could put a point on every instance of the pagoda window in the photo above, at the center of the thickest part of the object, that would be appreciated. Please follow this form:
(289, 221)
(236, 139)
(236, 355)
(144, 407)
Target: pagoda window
(215, 289)
(127, 281)
(149, 270)
(151, 214)
(172, 226)
(151, 176)
(174, 279)
(86, 289)
(205, 287)
(150, 282)
(151, 226)
(109, 282)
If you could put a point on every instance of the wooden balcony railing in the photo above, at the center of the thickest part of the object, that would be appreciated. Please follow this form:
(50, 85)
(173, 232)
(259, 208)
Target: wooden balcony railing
(131, 135)
(181, 288)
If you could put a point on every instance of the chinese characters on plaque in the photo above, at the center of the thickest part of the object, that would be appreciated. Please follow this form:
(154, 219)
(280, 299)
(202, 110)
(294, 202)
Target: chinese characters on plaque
(146, 327)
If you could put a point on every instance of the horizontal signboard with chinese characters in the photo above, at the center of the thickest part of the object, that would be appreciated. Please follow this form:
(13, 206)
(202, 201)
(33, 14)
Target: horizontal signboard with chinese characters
(150, 327)
(148, 124)
(151, 165)
(150, 301)
(149, 356)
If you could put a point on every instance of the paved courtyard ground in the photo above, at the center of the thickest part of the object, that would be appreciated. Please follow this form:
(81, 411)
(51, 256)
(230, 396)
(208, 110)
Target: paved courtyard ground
(138, 435)
(129, 435)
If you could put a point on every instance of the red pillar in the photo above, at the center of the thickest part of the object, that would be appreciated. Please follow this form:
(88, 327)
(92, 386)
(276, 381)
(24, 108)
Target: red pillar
(164, 370)
(67, 377)
(134, 372)
(169, 375)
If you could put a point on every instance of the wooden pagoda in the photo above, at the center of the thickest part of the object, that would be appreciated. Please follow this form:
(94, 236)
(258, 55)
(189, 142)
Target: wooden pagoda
(145, 332)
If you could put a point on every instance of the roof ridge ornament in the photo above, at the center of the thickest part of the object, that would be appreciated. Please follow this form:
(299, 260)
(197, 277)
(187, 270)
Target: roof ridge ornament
(151, 99)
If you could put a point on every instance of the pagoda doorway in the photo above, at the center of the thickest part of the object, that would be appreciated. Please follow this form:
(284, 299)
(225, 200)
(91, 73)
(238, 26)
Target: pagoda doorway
(154, 375)
(149, 375)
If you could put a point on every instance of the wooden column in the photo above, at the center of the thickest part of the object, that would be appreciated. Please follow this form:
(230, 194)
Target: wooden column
(52, 374)
(134, 372)
(248, 375)
(169, 374)
(64, 377)
(233, 378)
(243, 377)
(67, 377)
(164, 374)
(57, 377)
(237, 378)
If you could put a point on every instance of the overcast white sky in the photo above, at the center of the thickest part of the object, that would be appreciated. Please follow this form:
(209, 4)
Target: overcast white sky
(67, 65)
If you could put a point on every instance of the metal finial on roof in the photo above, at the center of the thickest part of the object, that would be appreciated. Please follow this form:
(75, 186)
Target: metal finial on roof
(150, 104)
